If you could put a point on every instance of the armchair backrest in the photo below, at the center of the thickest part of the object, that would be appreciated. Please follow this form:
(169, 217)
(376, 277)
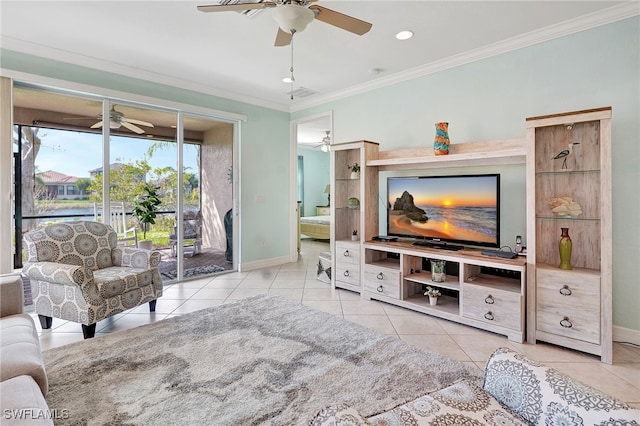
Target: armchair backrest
(82, 243)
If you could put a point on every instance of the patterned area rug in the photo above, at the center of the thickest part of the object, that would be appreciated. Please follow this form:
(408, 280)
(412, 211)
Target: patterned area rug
(193, 272)
(262, 360)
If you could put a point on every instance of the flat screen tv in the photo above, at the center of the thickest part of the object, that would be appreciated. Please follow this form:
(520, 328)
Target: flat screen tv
(461, 209)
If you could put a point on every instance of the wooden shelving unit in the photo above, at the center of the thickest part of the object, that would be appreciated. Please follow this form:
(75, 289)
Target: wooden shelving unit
(571, 308)
(346, 259)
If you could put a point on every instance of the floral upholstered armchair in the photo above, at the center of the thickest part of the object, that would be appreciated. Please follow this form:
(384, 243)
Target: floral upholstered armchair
(78, 273)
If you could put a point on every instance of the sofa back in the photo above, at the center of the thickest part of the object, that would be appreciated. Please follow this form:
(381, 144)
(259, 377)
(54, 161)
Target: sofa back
(81, 243)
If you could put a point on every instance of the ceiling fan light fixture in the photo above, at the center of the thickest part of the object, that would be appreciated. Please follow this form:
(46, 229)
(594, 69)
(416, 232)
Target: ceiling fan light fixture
(288, 80)
(292, 17)
(114, 124)
(404, 35)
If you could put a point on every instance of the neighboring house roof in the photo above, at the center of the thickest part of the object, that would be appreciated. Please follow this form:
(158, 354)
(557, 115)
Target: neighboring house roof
(52, 177)
(112, 166)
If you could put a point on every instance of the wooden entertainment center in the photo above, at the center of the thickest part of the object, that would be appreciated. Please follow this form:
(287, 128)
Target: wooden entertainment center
(513, 297)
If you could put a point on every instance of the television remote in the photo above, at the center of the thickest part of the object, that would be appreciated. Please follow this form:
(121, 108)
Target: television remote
(500, 253)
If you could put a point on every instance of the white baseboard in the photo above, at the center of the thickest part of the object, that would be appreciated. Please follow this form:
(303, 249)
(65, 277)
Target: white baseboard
(621, 334)
(264, 263)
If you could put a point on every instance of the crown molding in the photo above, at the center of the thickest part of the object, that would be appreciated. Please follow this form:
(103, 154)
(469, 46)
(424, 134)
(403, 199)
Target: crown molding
(572, 26)
(589, 21)
(25, 47)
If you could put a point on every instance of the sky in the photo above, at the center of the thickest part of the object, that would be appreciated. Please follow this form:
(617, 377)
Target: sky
(75, 153)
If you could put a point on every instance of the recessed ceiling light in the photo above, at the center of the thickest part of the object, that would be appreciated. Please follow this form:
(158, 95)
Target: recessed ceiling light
(404, 35)
(287, 80)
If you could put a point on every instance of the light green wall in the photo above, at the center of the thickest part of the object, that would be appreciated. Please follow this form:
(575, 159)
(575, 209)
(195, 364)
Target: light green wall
(490, 99)
(316, 179)
(264, 149)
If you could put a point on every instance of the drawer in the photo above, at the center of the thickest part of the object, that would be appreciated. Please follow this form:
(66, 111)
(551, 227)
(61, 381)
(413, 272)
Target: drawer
(347, 253)
(492, 306)
(568, 304)
(348, 274)
(575, 289)
(381, 280)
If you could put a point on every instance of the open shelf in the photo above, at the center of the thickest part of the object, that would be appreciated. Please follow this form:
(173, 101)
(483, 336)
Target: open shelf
(451, 282)
(445, 304)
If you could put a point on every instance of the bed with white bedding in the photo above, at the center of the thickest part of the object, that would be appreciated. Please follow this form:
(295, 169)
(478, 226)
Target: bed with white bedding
(317, 227)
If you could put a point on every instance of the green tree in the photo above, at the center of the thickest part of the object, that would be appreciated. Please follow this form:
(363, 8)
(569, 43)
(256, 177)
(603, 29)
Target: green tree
(83, 185)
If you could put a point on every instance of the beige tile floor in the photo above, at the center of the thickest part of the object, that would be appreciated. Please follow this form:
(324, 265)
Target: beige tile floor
(298, 282)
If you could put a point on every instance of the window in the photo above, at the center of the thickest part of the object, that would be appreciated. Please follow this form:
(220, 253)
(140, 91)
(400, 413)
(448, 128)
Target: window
(60, 189)
(71, 190)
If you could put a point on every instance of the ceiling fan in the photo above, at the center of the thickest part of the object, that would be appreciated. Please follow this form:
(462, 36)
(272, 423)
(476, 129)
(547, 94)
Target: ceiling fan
(325, 146)
(117, 120)
(293, 16)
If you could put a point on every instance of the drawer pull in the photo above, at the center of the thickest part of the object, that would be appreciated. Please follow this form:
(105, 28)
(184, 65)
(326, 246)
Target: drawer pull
(489, 300)
(380, 289)
(380, 276)
(346, 273)
(489, 316)
(565, 291)
(566, 323)
(346, 253)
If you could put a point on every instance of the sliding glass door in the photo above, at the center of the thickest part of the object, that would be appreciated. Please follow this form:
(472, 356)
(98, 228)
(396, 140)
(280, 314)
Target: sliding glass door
(82, 157)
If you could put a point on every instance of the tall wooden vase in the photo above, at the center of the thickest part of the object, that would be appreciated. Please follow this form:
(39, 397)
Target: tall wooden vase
(565, 246)
(441, 141)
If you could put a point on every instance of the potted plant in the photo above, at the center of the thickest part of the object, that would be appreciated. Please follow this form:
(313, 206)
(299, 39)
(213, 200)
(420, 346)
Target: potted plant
(354, 235)
(145, 209)
(433, 294)
(355, 170)
(438, 274)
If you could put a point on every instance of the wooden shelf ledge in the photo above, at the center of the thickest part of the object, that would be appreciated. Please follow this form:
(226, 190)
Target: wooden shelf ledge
(485, 153)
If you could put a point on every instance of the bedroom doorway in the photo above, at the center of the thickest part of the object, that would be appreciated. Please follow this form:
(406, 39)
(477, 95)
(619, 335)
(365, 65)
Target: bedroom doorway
(310, 177)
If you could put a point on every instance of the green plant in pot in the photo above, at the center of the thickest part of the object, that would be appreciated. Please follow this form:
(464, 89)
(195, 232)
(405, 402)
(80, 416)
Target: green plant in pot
(355, 170)
(433, 294)
(145, 209)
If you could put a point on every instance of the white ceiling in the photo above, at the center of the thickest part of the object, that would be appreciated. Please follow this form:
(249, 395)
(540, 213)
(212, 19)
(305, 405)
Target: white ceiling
(232, 55)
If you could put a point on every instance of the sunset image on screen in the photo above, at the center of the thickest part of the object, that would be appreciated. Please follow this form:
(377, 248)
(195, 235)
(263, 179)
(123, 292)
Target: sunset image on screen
(462, 208)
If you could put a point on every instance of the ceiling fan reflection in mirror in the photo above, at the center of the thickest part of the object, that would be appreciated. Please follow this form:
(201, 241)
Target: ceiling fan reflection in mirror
(117, 120)
(293, 16)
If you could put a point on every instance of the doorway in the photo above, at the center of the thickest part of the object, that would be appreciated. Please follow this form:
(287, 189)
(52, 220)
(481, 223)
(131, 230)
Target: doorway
(311, 175)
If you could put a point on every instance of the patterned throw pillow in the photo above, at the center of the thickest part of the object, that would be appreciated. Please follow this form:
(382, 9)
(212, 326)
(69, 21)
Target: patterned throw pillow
(544, 396)
(462, 403)
(338, 415)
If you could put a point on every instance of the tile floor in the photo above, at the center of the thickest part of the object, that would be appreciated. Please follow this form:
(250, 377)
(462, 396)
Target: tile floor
(298, 282)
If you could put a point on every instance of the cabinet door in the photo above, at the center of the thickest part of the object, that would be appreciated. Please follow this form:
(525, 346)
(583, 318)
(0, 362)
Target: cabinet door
(569, 304)
(491, 305)
(382, 280)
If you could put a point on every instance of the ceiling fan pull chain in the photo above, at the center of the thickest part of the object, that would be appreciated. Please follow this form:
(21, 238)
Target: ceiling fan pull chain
(291, 68)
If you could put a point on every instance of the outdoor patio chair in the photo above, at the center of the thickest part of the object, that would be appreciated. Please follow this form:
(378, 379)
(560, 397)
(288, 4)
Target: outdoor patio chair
(127, 236)
(192, 234)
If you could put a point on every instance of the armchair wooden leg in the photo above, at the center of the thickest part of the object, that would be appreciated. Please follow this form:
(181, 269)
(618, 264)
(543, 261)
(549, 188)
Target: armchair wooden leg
(45, 322)
(152, 305)
(89, 331)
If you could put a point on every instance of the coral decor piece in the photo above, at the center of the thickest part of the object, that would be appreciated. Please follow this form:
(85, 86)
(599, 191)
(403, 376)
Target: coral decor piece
(564, 206)
(441, 141)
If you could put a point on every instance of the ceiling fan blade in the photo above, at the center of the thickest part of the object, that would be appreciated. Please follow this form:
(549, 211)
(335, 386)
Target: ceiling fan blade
(97, 125)
(138, 122)
(239, 7)
(132, 127)
(283, 38)
(341, 20)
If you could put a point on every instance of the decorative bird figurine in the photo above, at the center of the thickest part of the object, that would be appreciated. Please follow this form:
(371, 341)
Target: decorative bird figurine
(565, 153)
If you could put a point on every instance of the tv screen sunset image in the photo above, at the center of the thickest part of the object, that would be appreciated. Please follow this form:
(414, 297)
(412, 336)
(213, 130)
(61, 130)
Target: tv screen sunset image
(460, 208)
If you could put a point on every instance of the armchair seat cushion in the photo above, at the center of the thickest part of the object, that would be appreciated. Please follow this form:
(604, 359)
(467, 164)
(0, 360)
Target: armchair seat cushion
(118, 280)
